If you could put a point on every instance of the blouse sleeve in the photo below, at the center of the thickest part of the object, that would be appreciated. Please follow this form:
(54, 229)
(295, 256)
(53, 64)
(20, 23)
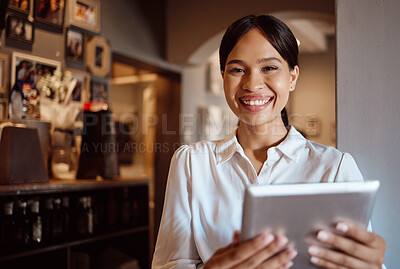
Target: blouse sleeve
(348, 170)
(175, 246)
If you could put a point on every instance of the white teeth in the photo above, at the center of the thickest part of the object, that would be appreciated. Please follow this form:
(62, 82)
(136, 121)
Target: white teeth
(256, 102)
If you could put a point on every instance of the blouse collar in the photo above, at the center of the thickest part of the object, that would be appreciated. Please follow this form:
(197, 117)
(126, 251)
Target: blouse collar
(291, 147)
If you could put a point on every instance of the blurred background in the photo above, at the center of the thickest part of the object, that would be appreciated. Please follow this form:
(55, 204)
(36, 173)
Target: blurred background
(146, 74)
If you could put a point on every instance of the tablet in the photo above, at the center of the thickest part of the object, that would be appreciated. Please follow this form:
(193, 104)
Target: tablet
(300, 210)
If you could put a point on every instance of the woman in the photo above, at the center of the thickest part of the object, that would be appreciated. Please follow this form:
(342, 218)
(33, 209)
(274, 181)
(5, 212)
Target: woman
(203, 204)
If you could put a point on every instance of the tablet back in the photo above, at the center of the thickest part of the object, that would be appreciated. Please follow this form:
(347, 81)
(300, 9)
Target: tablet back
(300, 210)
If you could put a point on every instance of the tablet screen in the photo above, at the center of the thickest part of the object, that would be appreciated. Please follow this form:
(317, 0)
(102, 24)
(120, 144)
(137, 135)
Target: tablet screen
(300, 210)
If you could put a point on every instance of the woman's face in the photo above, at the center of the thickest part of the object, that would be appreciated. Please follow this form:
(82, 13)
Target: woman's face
(257, 80)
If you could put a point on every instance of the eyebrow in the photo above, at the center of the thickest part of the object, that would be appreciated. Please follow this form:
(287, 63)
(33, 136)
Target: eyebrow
(234, 61)
(262, 60)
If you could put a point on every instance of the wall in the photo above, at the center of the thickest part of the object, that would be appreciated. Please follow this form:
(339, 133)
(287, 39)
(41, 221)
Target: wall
(191, 23)
(130, 29)
(196, 94)
(136, 32)
(315, 95)
(368, 112)
(46, 44)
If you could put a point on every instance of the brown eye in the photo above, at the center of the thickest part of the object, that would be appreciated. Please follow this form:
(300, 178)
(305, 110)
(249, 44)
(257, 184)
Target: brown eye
(269, 68)
(236, 70)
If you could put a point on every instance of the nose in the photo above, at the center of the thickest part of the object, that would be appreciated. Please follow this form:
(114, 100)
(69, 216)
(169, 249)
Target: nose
(253, 81)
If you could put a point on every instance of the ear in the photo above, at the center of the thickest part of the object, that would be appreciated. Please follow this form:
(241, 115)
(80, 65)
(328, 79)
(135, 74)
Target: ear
(222, 74)
(294, 75)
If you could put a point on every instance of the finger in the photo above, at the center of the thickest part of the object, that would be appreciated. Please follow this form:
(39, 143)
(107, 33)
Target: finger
(235, 240)
(288, 265)
(334, 257)
(281, 260)
(351, 247)
(325, 264)
(264, 254)
(361, 234)
(231, 256)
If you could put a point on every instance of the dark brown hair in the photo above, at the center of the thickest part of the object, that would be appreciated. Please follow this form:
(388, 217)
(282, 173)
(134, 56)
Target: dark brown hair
(277, 33)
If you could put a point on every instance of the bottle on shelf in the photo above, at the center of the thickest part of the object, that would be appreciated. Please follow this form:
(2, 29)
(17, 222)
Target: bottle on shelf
(126, 212)
(65, 212)
(7, 228)
(47, 220)
(85, 216)
(57, 221)
(81, 219)
(89, 213)
(22, 226)
(36, 224)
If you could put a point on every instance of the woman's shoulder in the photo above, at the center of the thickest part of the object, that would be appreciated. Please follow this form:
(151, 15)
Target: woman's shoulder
(327, 153)
(200, 147)
(298, 145)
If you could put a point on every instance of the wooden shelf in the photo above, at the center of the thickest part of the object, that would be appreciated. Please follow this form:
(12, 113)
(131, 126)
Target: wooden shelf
(82, 241)
(56, 186)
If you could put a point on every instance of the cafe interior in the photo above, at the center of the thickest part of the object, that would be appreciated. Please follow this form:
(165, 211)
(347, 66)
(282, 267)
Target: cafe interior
(96, 96)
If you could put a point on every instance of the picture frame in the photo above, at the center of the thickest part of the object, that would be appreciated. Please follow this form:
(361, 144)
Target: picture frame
(84, 14)
(23, 6)
(99, 90)
(98, 56)
(30, 68)
(19, 28)
(50, 14)
(81, 91)
(75, 46)
(3, 74)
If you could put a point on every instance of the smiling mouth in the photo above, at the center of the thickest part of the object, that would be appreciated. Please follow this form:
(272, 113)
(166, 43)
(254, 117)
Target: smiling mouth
(257, 102)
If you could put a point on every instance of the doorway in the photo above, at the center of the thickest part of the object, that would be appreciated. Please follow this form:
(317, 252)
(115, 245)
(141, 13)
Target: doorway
(145, 101)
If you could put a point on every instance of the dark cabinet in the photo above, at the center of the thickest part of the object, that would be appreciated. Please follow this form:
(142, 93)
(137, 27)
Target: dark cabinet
(75, 224)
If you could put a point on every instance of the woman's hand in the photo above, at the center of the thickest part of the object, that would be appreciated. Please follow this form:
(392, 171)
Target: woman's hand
(357, 248)
(260, 252)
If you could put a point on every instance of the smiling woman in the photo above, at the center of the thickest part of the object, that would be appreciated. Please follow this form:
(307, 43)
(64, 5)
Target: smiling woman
(206, 182)
(258, 79)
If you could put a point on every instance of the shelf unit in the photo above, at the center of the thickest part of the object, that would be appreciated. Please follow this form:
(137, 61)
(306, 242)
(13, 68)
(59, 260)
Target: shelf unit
(132, 241)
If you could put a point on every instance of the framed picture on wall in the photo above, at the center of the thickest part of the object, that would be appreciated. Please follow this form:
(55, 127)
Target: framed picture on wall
(3, 74)
(98, 56)
(74, 46)
(19, 28)
(82, 87)
(23, 6)
(30, 68)
(99, 90)
(84, 14)
(50, 13)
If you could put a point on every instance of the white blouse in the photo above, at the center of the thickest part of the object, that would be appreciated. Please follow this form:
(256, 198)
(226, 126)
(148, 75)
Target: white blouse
(205, 188)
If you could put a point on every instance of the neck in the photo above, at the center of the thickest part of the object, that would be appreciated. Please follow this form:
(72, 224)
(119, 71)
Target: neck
(253, 137)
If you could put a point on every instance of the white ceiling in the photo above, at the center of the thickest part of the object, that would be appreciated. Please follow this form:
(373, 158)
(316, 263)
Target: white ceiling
(312, 34)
